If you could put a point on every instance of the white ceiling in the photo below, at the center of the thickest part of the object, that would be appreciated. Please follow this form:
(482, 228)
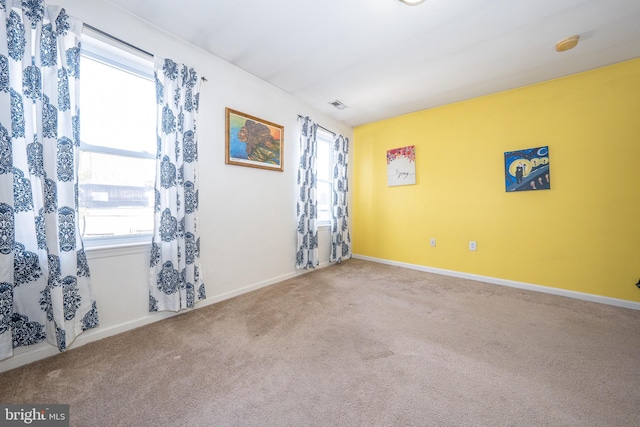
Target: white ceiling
(383, 58)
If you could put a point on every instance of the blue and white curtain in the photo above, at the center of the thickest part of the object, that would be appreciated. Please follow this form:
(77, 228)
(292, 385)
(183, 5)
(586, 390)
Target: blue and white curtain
(45, 289)
(340, 237)
(176, 278)
(307, 252)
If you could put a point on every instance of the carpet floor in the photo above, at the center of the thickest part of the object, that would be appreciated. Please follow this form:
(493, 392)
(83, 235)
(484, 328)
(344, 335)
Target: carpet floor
(356, 344)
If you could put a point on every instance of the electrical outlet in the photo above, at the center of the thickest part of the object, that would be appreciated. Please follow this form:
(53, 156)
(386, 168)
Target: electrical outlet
(432, 242)
(472, 245)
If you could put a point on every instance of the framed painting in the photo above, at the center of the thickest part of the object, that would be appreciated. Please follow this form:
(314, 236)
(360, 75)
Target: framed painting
(401, 166)
(253, 142)
(527, 170)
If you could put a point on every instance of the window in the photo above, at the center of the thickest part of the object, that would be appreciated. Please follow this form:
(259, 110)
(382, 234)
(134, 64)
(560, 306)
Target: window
(116, 169)
(324, 174)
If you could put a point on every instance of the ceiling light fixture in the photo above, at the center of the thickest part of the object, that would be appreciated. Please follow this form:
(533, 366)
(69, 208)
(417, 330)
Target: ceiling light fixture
(412, 2)
(567, 43)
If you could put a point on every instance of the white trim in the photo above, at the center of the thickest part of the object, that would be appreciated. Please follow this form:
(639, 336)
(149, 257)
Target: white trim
(256, 286)
(101, 149)
(24, 355)
(102, 49)
(510, 283)
(324, 138)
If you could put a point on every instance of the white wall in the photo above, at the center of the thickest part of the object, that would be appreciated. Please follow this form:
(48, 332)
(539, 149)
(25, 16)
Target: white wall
(247, 215)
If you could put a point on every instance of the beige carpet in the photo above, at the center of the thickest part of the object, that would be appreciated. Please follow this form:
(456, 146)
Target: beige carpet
(357, 344)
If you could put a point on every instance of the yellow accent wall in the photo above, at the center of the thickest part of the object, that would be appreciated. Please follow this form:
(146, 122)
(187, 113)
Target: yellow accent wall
(581, 235)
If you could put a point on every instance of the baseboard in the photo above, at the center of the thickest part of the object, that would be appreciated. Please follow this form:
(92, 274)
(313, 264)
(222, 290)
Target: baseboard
(510, 283)
(25, 355)
(256, 286)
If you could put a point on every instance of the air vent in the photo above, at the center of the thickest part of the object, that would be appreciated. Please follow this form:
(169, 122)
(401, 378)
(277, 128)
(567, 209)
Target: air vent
(339, 105)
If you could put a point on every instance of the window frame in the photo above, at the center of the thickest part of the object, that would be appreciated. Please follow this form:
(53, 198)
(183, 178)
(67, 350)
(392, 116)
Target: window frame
(100, 48)
(325, 137)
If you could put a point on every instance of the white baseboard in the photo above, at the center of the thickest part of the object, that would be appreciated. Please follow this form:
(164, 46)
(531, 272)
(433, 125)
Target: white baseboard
(25, 355)
(256, 286)
(510, 283)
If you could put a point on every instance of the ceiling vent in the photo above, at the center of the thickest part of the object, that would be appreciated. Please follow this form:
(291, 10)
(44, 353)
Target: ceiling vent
(339, 105)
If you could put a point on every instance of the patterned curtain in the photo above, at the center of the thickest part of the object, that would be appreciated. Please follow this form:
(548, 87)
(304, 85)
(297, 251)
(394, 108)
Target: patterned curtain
(176, 279)
(340, 238)
(307, 255)
(45, 289)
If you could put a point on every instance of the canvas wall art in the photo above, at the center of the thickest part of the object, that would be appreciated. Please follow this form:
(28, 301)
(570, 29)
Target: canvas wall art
(401, 166)
(527, 170)
(253, 142)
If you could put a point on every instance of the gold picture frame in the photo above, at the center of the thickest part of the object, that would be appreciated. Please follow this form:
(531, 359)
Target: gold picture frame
(253, 142)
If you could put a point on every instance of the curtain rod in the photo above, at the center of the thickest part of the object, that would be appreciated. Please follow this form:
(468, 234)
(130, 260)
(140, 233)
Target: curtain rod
(321, 127)
(112, 37)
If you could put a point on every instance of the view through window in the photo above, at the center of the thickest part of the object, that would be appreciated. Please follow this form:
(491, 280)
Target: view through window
(116, 168)
(323, 180)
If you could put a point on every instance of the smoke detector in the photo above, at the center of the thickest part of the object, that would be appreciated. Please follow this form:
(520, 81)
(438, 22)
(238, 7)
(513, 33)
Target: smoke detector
(567, 43)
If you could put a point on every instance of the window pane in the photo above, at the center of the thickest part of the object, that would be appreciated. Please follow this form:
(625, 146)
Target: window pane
(117, 132)
(324, 161)
(117, 108)
(323, 186)
(115, 195)
(324, 216)
(99, 168)
(115, 222)
(324, 201)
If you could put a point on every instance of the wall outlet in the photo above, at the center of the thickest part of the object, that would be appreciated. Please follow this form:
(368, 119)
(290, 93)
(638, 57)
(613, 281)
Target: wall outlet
(472, 245)
(432, 242)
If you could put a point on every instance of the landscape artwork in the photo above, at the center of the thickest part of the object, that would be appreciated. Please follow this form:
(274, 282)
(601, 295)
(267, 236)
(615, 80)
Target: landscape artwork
(527, 170)
(253, 142)
(401, 166)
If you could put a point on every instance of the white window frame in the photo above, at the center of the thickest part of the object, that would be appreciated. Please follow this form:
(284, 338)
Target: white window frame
(326, 138)
(100, 48)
